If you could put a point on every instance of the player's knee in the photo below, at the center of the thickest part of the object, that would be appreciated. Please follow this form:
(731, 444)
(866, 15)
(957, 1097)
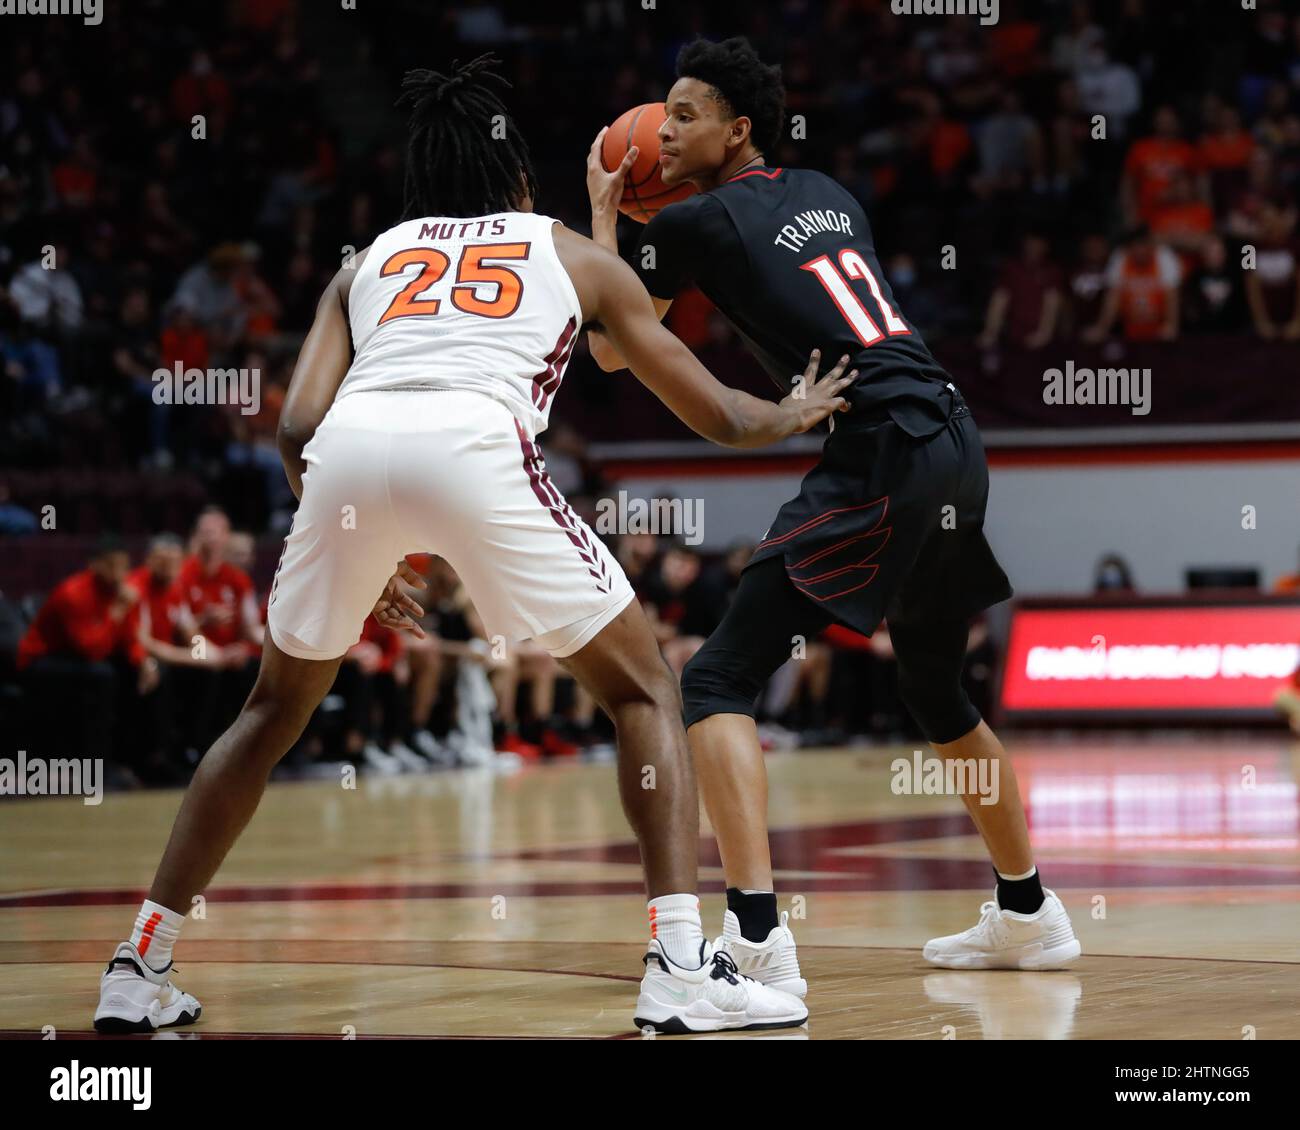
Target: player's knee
(938, 704)
(718, 681)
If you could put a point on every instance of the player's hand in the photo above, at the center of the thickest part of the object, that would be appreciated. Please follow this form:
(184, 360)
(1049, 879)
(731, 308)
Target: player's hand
(606, 189)
(396, 608)
(813, 400)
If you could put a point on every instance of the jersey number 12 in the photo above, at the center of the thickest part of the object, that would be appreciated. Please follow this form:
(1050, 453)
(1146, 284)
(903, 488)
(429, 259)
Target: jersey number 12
(836, 282)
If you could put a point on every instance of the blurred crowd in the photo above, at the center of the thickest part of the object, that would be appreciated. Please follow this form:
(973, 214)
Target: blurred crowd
(177, 192)
(159, 655)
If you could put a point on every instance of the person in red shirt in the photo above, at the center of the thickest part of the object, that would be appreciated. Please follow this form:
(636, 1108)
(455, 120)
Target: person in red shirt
(221, 601)
(75, 652)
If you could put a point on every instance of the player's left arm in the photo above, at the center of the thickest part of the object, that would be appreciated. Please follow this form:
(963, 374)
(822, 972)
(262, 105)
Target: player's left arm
(322, 364)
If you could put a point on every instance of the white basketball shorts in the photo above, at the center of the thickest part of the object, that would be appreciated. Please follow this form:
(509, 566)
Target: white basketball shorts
(444, 472)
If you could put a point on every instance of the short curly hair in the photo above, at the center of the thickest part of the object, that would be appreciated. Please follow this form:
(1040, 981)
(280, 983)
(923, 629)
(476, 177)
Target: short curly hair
(745, 85)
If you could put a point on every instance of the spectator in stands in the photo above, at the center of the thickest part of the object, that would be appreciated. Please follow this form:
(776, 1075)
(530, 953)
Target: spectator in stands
(74, 657)
(1025, 307)
(1224, 152)
(135, 359)
(1152, 164)
(678, 605)
(1011, 149)
(1181, 220)
(208, 292)
(1088, 281)
(1109, 88)
(1113, 575)
(221, 600)
(46, 293)
(1142, 292)
(1213, 296)
(1272, 290)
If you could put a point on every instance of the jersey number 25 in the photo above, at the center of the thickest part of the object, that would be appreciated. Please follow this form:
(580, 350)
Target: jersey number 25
(470, 270)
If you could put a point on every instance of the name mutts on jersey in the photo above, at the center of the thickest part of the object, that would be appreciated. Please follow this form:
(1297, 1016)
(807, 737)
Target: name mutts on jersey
(449, 230)
(813, 222)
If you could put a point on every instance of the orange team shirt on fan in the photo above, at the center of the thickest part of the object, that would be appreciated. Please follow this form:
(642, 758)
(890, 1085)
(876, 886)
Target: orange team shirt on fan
(1144, 290)
(1152, 163)
(74, 623)
(228, 586)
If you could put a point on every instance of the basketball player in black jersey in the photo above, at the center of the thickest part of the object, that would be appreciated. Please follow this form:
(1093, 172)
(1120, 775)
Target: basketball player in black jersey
(888, 525)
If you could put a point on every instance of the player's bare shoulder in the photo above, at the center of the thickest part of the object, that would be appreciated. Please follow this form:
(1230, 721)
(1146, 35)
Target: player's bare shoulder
(589, 266)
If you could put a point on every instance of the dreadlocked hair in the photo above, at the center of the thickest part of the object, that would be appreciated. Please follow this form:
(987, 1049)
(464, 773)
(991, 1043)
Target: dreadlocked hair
(455, 166)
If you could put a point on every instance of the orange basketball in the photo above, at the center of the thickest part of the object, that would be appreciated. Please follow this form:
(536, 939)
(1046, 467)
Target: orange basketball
(644, 193)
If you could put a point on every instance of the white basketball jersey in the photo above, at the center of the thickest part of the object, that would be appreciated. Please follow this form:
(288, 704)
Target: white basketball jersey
(479, 304)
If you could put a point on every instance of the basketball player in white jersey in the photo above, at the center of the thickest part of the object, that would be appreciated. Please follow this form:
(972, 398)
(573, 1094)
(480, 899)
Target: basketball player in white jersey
(410, 426)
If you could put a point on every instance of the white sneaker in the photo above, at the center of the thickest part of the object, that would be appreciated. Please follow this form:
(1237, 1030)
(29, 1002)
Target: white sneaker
(406, 757)
(772, 962)
(379, 762)
(429, 747)
(135, 998)
(1004, 939)
(715, 996)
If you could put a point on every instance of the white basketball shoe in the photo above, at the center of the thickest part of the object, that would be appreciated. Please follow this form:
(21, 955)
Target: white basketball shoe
(676, 1001)
(1003, 939)
(135, 998)
(772, 962)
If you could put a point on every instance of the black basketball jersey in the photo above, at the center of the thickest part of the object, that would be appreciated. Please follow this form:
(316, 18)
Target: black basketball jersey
(787, 256)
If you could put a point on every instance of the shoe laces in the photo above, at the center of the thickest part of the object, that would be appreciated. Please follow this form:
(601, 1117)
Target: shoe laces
(725, 969)
(991, 921)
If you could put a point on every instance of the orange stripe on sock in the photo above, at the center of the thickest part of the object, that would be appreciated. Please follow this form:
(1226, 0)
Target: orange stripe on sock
(654, 926)
(146, 934)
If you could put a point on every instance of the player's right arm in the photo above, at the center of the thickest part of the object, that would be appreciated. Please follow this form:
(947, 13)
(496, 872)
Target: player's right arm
(606, 190)
(613, 297)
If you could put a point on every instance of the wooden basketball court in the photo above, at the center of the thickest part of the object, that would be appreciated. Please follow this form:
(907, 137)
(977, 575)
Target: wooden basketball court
(474, 904)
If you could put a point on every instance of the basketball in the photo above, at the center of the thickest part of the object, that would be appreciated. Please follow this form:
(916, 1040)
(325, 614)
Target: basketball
(644, 192)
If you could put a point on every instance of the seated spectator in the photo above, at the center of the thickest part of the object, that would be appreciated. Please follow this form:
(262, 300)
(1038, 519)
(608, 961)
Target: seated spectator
(1025, 307)
(1272, 290)
(47, 295)
(1181, 220)
(679, 606)
(221, 601)
(74, 659)
(1213, 295)
(1142, 292)
(1088, 282)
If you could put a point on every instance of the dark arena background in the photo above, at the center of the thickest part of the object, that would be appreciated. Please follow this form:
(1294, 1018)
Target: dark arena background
(1088, 208)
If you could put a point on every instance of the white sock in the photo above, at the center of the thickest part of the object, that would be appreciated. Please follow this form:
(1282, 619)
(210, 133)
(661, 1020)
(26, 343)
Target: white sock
(675, 921)
(156, 931)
